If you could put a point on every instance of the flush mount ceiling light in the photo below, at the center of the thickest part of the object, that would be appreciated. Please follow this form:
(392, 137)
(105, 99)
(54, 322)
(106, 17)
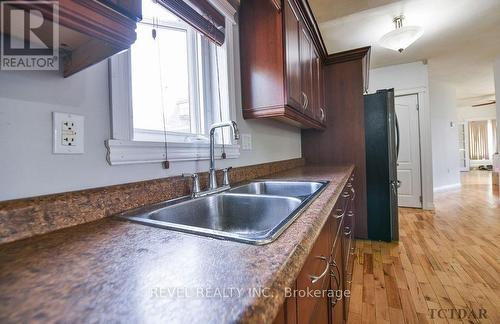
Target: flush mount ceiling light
(401, 37)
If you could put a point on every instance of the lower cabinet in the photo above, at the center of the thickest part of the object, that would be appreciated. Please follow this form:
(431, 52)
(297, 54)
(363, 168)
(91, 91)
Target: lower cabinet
(319, 292)
(314, 282)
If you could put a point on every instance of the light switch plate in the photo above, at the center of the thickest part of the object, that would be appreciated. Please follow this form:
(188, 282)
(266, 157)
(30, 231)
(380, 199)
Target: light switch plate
(246, 142)
(68, 133)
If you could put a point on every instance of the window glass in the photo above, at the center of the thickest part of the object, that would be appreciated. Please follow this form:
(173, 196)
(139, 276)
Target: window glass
(160, 80)
(174, 80)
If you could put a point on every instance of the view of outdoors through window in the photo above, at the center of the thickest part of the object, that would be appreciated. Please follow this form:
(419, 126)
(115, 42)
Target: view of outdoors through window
(166, 75)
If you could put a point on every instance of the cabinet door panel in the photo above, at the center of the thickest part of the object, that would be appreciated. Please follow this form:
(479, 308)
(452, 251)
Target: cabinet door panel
(336, 284)
(348, 241)
(315, 309)
(316, 85)
(322, 97)
(288, 312)
(292, 52)
(306, 70)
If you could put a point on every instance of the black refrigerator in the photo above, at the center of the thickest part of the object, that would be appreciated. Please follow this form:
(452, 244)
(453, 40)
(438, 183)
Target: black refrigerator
(382, 147)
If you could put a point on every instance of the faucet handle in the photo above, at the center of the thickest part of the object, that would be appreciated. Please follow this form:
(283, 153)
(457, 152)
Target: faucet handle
(225, 179)
(196, 182)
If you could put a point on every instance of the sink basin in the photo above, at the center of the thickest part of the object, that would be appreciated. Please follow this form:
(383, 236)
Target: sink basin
(255, 213)
(280, 188)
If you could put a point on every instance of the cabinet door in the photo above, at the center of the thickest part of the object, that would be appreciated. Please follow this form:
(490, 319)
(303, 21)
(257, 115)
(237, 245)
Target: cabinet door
(316, 82)
(348, 241)
(306, 70)
(315, 276)
(336, 284)
(292, 53)
(322, 98)
(288, 312)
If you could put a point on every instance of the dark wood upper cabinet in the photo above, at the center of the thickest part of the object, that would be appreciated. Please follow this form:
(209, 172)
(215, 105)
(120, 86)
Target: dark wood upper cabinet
(129, 8)
(278, 62)
(91, 31)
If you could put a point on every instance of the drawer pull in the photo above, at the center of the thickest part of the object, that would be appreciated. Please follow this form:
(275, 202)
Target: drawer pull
(353, 193)
(350, 213)
(335, 273)
(347, 231)
(339, 212)
(315, 279)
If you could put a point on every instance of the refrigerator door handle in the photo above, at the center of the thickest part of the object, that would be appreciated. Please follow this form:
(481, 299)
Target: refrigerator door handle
(397, 136)
(395, 186)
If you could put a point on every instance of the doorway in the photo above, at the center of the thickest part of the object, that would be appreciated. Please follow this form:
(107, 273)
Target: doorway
(409, 164)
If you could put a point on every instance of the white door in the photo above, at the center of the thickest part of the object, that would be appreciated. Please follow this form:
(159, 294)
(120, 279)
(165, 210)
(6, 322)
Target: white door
(410, 190)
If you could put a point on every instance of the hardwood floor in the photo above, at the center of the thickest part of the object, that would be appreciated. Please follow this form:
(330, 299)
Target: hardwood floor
(446, 259)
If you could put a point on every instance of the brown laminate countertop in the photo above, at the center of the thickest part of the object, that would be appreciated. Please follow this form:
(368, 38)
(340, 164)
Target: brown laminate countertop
(118, 271)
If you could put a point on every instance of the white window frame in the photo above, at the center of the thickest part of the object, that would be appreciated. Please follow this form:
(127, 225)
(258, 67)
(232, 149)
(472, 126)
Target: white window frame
(121, 147)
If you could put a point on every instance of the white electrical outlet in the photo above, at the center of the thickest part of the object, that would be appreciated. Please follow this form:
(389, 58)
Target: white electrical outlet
(246, 142)
(68, 132)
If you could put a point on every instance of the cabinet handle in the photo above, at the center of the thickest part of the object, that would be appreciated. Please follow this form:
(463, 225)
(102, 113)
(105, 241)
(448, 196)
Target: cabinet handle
(322, 114)
(335, 273)
(347, 231)
(353, 193)
(315, 279)
(339, 212)
(348, 278)
(306, 101)
(350, 213)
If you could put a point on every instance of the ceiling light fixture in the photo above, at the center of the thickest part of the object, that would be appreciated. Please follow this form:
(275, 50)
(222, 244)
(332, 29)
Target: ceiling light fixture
(401, 37)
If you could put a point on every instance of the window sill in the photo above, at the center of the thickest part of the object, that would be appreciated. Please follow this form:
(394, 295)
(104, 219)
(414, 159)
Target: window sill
(135, 152)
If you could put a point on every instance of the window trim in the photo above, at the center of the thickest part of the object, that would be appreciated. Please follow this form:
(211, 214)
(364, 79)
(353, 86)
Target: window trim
(120, 152)
(122, 149)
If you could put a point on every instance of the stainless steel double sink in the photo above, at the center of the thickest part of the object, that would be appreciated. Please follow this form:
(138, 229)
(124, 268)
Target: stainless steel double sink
(255, 213)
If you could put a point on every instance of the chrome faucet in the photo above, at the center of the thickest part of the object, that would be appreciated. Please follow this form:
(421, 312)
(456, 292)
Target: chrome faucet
(236, 134)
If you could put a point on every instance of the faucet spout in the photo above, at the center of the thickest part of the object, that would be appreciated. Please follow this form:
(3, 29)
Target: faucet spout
(236, 134)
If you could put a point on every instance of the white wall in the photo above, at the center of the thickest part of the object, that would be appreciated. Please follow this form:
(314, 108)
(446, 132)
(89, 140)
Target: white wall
(28, 167)
(400, 77)
(445, 154)
(476, 113)
(407, 79)
(496, 72)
